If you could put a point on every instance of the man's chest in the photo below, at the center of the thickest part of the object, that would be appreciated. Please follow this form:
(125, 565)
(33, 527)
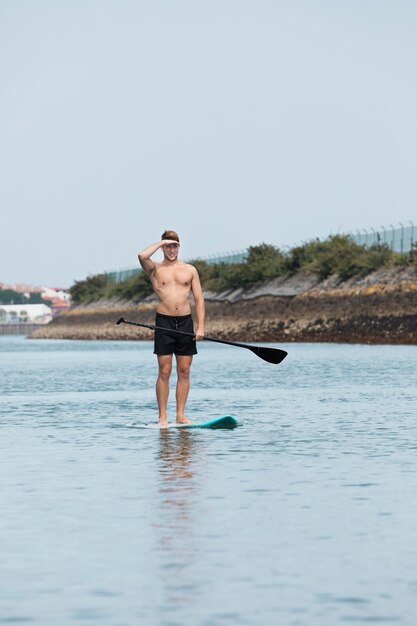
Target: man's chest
(177, 277)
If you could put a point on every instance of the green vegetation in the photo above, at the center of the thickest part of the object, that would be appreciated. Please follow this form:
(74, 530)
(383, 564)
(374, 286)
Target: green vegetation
(101, 286)
(262, 263)
(337, 255)
(9, 296)
(341, 256)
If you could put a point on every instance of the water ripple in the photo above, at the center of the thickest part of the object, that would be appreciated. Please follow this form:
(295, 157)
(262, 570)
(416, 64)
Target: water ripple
(302, 515)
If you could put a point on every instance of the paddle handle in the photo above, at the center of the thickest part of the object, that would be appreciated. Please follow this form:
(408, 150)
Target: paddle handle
(179, 332)
(271, 355)
(153, 327)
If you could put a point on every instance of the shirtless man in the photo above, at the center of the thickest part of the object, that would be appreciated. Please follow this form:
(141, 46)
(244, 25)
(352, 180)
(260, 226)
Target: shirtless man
(173, 281)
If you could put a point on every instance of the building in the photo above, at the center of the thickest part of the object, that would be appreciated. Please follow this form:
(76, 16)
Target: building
(25, 314)
(58, 306)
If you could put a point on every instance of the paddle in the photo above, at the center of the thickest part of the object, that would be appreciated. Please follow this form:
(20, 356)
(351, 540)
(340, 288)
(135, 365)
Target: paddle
(271, 355)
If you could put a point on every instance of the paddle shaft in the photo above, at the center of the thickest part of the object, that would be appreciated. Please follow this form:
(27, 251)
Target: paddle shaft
(272, 355)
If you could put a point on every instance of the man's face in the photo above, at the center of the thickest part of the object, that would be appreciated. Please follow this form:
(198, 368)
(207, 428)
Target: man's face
(171, 251)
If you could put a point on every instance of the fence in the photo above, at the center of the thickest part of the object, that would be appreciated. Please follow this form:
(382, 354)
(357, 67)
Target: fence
(21, 328)
(238, 256)
(118, 276)
(399, 239)
(229, 257)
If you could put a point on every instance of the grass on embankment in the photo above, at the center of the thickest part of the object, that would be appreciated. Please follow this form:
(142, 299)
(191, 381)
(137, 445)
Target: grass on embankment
(337, 255)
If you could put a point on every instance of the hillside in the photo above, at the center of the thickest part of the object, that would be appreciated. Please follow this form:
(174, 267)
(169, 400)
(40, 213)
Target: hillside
(379, 308)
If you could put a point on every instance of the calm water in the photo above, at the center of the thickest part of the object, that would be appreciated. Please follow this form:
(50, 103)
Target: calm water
(305, 515)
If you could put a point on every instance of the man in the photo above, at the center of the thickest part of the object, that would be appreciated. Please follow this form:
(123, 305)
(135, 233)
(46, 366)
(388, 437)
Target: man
(173, 281)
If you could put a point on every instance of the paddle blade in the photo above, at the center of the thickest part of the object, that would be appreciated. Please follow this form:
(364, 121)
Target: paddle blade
(271, 355)
(120, 320)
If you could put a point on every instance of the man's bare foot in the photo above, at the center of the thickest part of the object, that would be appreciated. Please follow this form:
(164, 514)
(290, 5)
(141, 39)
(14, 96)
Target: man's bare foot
(183, 420)
(162, 423)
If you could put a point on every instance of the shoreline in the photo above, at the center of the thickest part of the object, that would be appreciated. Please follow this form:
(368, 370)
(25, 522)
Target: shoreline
(380, 308)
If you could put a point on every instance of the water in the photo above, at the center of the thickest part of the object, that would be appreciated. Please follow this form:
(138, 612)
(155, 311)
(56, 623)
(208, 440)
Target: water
(305, 515)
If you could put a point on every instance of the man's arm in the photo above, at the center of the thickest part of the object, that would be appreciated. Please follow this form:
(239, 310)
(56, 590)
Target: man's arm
(145, 256)
(199, 305)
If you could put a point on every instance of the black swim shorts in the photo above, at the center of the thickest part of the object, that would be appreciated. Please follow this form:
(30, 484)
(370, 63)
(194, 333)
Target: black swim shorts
(172, 343)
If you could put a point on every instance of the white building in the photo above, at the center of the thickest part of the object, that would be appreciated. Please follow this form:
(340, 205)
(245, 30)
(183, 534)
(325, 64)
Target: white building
(25, 313)
(49, 293)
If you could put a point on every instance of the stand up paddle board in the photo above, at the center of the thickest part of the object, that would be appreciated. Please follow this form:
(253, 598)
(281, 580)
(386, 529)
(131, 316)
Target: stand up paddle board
(227, 421)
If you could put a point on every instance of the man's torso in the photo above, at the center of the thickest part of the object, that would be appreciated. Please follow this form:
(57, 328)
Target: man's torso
(172, 285)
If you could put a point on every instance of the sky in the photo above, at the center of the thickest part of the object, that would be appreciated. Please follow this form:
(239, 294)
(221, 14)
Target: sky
(233, 122)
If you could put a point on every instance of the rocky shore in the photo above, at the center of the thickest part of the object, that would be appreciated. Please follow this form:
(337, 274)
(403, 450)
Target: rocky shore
(380, 308)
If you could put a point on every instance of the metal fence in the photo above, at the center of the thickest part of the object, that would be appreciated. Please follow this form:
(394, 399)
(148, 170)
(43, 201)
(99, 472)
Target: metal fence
(237, 256)
(117, 276)
(400, 239)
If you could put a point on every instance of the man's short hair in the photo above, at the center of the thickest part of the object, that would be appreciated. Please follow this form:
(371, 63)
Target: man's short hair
(170, 234)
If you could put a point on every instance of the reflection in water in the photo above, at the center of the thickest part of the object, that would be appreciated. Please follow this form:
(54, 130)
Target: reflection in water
(176, 487)
(175, 518)
(175, 450)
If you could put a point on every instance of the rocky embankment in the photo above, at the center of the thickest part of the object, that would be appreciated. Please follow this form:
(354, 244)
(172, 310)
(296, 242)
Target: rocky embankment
(380, 308)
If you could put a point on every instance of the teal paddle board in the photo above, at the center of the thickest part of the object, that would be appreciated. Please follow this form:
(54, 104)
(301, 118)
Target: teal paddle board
(226, 421)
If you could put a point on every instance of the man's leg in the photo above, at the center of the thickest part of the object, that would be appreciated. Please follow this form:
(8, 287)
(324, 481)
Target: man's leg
(183, 386)
(162, 386)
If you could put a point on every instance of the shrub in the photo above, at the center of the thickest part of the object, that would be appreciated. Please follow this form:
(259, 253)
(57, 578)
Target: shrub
(264, 262)
(10, 296)
(339, 255)
(336, 255)
(133, 288)
(90, 289)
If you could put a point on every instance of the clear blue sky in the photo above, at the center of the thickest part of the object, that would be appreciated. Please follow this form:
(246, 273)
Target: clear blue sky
(234, 122)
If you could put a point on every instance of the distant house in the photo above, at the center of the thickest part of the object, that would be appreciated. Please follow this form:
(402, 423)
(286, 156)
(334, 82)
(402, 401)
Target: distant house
(25, 313)
(50, 293)
(58, 306)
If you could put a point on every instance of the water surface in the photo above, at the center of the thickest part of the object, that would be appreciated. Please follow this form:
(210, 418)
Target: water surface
(304, 515)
